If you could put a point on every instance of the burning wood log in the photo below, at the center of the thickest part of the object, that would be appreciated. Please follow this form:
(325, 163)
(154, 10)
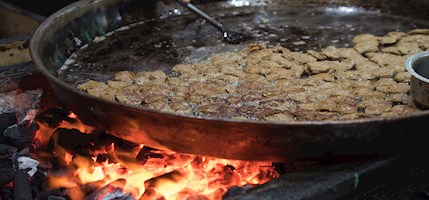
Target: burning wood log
(163, 186)
(74, 141)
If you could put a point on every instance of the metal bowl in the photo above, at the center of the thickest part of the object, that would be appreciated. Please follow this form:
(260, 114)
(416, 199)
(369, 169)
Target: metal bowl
(418, 66)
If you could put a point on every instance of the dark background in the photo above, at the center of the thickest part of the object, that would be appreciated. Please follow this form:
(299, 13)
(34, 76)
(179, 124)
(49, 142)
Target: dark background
(47, 7)
(42, 7)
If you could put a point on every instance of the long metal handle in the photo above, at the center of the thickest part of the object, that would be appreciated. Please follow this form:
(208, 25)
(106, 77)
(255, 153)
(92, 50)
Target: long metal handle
(202, 14)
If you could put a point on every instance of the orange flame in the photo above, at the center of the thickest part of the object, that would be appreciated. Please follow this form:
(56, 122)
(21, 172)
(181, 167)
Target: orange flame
(72, 115)
(167, 175)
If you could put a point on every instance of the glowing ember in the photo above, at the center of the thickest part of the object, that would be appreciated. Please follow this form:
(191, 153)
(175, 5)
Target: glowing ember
(72, 115)
(103, 168)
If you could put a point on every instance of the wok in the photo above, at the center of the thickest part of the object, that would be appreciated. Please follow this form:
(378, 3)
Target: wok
(170, 35)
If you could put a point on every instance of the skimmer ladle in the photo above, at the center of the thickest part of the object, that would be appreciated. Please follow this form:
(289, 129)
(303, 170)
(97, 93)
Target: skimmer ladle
(228, 36)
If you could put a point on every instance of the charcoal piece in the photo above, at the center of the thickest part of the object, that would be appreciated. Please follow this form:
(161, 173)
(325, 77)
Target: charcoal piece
(75, 142)
(104, 142)
(7, 151)
(110, 157)
(101, 158)
(6, 120)
(37, 182)
(147, 153)
(6, 171)
(21, 185)
(20, 135)
(28, 164)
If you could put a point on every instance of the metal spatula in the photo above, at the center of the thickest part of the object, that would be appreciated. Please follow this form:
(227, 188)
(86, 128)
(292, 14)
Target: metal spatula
(228, 36)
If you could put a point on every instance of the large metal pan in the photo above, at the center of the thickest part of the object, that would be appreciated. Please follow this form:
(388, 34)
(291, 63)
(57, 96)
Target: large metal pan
(324, 21)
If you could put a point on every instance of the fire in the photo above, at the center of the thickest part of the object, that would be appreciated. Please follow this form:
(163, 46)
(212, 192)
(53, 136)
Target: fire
(72, 115)
(139, 171)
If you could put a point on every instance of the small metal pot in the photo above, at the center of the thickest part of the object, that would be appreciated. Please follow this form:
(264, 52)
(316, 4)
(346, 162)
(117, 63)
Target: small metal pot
(418, 66)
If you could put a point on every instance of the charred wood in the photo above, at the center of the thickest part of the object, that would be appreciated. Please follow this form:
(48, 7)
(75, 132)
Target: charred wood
(6, 120)
(102, 158)
(147, 153)
(37, 183)
(126, 145)
(74, 141)
(103, 139)
(20, 135)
